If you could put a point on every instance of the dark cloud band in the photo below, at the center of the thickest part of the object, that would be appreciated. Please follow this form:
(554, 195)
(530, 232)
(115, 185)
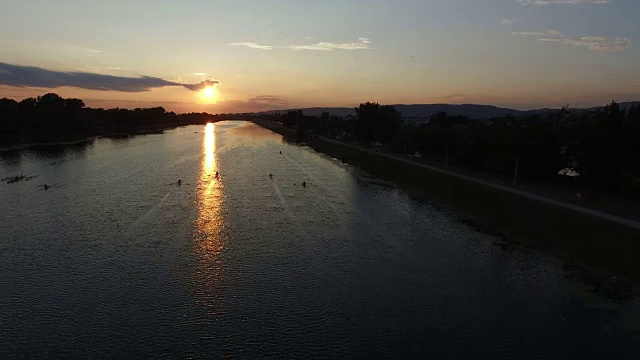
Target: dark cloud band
(30, 76)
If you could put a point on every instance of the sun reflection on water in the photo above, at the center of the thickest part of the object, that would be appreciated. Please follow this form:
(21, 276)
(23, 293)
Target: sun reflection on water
(209, 156)
(208, 238)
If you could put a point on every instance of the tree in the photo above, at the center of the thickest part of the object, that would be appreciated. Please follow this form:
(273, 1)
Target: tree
(27, 105)
(293, 118)
(599, 160)
(72, 106)
(403, 141)
(8, 105)
(50, 102)
(324, 117)
(8, 115)
(376, 123)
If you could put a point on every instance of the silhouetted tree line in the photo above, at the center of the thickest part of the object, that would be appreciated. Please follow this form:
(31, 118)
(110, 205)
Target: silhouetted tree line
(602, 145)
(50, 117)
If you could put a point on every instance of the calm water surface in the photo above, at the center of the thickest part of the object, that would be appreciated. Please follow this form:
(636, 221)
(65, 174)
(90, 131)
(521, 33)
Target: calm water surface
(117, 260)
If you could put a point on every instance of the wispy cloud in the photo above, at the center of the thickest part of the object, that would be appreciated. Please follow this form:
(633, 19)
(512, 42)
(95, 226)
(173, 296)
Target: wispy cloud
(269, 100)
(77, 49)
(29, 76)
(539, 34)
(451, 96)
(562, 2)
(511, 21)
(104, 68)
(360, 44)
(594, 43)
(329, 46)
(602, 43)
(252, 45)
(199, 74)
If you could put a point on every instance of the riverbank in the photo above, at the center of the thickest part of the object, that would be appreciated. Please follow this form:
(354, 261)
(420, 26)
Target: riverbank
(583, 237)
(23, 146)
(84, 138)
(277, 128)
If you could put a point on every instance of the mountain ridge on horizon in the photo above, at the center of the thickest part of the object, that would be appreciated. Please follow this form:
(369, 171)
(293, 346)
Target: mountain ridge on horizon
(472, 111)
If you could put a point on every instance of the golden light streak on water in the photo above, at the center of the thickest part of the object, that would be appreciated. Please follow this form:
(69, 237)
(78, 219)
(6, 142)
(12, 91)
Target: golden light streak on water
(208, 238)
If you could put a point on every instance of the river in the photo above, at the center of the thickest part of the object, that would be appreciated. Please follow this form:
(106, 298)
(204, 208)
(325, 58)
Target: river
(115, 259)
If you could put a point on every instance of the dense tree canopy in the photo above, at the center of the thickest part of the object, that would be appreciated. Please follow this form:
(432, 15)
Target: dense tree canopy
(49, 117)
(602, 145)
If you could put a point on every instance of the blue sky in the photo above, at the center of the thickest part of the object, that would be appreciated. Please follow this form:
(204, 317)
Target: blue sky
(287, 53)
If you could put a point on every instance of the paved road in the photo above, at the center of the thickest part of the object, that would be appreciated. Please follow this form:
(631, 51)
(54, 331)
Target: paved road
(591, 212)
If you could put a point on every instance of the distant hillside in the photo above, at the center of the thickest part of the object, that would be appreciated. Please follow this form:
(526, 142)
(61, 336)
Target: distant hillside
(425, 110)
(469, 110)
(479, 112)
(317, 111)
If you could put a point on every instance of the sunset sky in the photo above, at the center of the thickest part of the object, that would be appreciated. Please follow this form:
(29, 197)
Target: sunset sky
(300, 53)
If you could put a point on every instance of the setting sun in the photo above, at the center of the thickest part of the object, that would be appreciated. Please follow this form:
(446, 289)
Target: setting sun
(209, 95)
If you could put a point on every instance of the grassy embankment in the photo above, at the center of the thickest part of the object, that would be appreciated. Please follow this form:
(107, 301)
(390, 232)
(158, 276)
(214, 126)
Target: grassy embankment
(580, 238)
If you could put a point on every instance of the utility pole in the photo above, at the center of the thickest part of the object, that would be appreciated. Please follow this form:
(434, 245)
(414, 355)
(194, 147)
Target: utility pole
(515, 173)
(446, 158)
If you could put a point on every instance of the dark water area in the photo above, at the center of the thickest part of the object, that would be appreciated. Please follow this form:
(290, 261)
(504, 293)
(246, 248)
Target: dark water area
(116, 259)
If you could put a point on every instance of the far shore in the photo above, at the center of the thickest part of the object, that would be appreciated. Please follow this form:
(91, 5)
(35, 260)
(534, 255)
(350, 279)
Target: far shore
(92, 137)
(23, 146)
